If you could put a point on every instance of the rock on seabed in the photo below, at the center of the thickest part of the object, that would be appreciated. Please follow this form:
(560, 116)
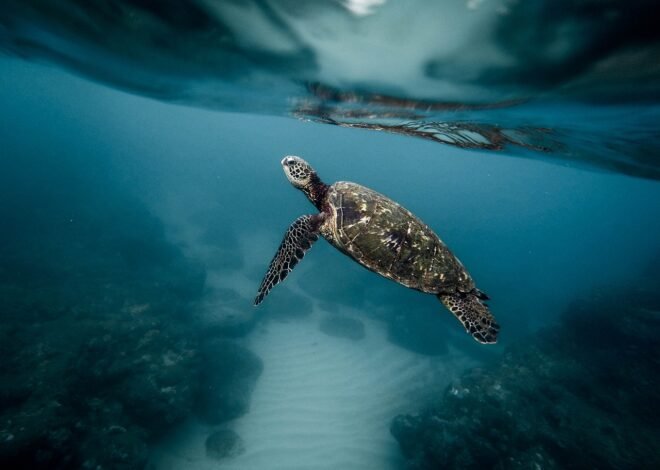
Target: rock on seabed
(584, 394)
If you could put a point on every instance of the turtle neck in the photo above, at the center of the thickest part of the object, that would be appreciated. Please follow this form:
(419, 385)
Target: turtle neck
(316, 191)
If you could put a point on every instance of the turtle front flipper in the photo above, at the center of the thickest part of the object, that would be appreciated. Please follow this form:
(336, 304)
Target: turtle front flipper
(300, 236)
(473, 314)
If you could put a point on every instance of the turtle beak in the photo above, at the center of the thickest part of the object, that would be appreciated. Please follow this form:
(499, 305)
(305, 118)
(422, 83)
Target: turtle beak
(286, 161)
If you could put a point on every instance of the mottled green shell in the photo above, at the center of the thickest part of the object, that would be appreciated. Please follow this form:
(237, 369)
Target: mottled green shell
(388, 239)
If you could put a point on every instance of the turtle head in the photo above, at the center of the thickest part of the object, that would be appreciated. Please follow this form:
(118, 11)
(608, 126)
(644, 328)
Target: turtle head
(298, 171)
(302, 176)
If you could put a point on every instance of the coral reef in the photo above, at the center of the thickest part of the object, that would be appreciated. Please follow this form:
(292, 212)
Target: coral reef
(583, 394)
(101, 344)
(99, 355)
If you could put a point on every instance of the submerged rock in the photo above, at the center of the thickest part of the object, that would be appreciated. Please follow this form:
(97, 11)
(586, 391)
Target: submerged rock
(99, 353)
(230, 373)
(585, 394)
(342, 327)
(85, 391)
(224, 444)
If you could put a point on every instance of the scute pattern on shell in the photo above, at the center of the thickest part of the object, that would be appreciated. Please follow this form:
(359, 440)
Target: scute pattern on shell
(388, 239)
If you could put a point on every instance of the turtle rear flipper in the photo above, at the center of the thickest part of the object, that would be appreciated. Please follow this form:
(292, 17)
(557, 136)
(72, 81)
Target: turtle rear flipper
(473, 314)
(299, 238)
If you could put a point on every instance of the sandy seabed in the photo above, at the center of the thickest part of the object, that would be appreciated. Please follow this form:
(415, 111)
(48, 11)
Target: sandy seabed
(321, 402)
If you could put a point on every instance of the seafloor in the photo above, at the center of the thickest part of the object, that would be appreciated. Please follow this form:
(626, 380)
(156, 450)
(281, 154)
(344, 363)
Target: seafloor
(113, 339)
(582, 394)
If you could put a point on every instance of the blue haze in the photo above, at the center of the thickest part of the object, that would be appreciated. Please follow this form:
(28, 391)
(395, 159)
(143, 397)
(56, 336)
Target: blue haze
(142, 198)
(535, 235)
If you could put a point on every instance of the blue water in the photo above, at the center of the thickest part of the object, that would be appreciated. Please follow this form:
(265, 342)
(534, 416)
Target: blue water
(142, 198)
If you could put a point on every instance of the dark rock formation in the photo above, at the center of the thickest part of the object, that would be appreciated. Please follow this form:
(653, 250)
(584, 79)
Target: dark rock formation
(224, 444)
(99, 353)
(230, 373)
(342, 327)
(93, 371)
(584, 394)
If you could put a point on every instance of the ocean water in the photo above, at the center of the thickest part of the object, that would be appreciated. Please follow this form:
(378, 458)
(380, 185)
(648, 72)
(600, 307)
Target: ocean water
(142, 199)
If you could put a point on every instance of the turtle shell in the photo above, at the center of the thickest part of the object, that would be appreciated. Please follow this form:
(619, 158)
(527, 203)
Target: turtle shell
(388, 239)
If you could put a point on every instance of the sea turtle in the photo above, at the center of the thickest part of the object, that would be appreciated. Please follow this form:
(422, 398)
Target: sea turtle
(383, 237)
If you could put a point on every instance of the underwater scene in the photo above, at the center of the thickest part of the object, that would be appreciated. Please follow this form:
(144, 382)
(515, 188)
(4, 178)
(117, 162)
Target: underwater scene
(165, 165)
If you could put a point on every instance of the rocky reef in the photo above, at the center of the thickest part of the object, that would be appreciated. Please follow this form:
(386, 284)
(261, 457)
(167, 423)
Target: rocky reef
(99, 355)
(582, 394)
(102, 351)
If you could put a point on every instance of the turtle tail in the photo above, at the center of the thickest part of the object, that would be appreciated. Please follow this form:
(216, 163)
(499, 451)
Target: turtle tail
(473, 313)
